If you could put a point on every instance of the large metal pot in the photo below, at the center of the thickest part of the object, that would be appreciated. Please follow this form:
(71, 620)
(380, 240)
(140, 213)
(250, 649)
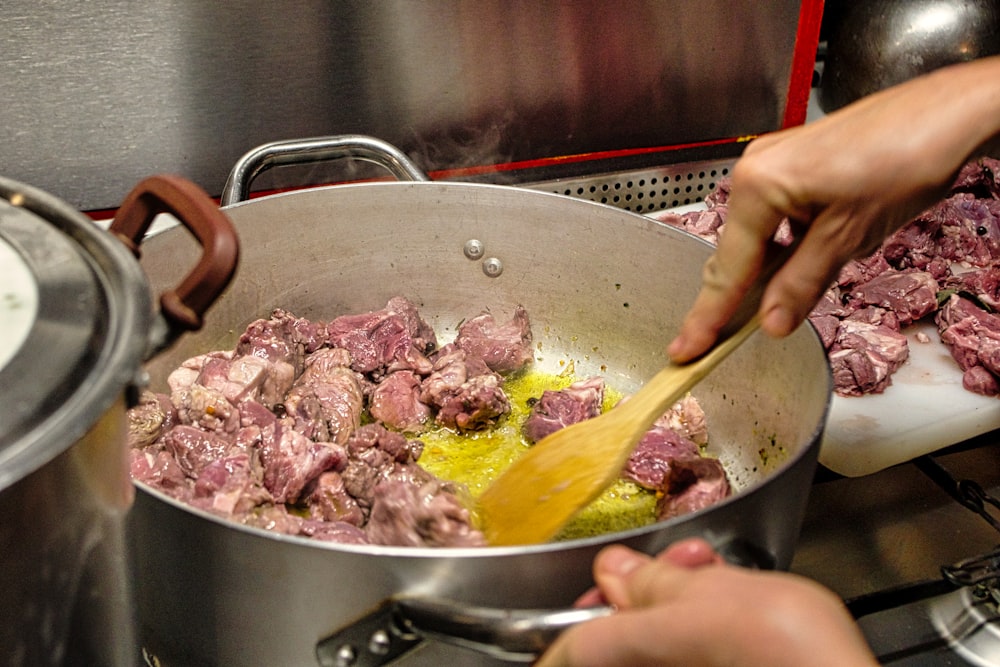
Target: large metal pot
(76, 325)
(604, 289)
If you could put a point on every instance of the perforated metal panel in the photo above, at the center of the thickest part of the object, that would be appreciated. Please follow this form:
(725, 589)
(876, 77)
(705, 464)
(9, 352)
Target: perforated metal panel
(647, 190)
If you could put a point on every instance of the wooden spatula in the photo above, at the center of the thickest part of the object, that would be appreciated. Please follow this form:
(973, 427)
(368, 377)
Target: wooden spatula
(566, 470)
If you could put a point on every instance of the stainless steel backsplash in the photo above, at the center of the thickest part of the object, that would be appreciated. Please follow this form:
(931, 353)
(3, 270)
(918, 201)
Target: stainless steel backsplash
(98, 94)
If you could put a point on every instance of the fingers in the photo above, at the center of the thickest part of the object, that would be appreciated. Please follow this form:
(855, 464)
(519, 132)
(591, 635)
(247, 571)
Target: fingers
(728, 274)
(644, 638)
(616, 562)
(634, 581)
(617, 567)
(796, 288)
(692, 552)
(612, 567)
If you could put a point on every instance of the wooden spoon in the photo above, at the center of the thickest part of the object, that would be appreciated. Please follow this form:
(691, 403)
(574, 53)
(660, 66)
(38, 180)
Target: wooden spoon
(566, 470)
(569, 468)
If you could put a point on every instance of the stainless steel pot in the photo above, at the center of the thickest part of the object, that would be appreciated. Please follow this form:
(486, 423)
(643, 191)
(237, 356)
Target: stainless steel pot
(604, 288)
(77, 324)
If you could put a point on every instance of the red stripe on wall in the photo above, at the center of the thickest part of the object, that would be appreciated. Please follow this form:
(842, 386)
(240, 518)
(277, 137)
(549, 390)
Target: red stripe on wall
(445, 174)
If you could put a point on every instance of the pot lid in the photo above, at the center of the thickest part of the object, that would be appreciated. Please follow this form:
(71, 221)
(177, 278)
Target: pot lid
(74, 317)
(18, 301)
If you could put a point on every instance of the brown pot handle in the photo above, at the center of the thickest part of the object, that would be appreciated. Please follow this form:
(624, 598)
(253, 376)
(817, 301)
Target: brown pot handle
(184, 306)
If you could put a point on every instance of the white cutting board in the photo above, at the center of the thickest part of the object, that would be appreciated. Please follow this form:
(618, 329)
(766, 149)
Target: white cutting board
(923, 410)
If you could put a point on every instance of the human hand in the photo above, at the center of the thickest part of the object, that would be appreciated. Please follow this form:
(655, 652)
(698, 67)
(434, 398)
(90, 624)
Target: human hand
(850, 179)
(688, 607)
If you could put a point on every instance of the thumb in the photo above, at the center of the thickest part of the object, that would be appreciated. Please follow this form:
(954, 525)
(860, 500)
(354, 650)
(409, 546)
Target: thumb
(613, 567)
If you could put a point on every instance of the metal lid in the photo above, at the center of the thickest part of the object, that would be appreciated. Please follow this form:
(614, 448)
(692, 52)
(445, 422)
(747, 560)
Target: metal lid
(75, 313)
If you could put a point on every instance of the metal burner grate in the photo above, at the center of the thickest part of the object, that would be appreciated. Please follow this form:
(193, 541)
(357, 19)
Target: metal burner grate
(648, 190)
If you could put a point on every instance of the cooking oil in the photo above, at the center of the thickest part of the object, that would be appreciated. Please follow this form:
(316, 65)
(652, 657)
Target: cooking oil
(476, 458)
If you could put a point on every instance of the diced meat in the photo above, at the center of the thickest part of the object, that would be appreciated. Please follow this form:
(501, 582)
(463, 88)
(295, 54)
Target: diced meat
(686, 418)
(230, 486)
(970, 230)
(558, 409)
(374, 453)
(235, 379)
(720, 195)
(913, 245)
(194, 448)
(982, 283)
(156, 467)
(826, 327)
(705, 224)
(396, 402)
(151, 416)
(394, 338)
(449, 373)
(282, 339)
(693, 484)
(864, 357)
(327, 399)
(832, 303)
(274, 518)
(479, 403)
(505, 348)
(452, 369)
(973, 338)
(330, 501)
(425, 515)
(858, 271)
(339, 532)
(909, 294)
(269, 435)
(422, 333)
(205, 408)
(980, 178)
(292, 460)
(980, 381)
(879, 317)
(304, 414)
(650, 462)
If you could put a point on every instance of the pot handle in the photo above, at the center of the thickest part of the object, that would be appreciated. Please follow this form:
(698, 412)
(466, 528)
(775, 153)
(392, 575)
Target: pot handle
(319, 149)
(401, 624)
(181, 308)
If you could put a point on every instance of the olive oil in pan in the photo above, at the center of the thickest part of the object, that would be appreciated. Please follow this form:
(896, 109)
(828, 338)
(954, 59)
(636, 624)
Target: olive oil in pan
(475, 459)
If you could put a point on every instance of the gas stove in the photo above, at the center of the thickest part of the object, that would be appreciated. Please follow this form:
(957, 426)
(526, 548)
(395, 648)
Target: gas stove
(913, 551)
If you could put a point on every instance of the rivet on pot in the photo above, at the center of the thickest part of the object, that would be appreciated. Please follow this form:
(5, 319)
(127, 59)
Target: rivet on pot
(379, 643)
(492, 267)
(347, 655)
(474, 249)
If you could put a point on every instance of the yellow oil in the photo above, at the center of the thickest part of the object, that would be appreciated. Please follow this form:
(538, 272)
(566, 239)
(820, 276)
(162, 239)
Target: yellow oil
(476, 459)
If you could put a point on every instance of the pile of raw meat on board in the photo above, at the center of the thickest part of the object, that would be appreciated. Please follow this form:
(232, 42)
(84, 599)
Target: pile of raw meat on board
(944, 264)
(306, 427)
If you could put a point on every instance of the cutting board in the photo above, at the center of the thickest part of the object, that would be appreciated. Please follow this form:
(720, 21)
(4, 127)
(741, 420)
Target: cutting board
(924, 409)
